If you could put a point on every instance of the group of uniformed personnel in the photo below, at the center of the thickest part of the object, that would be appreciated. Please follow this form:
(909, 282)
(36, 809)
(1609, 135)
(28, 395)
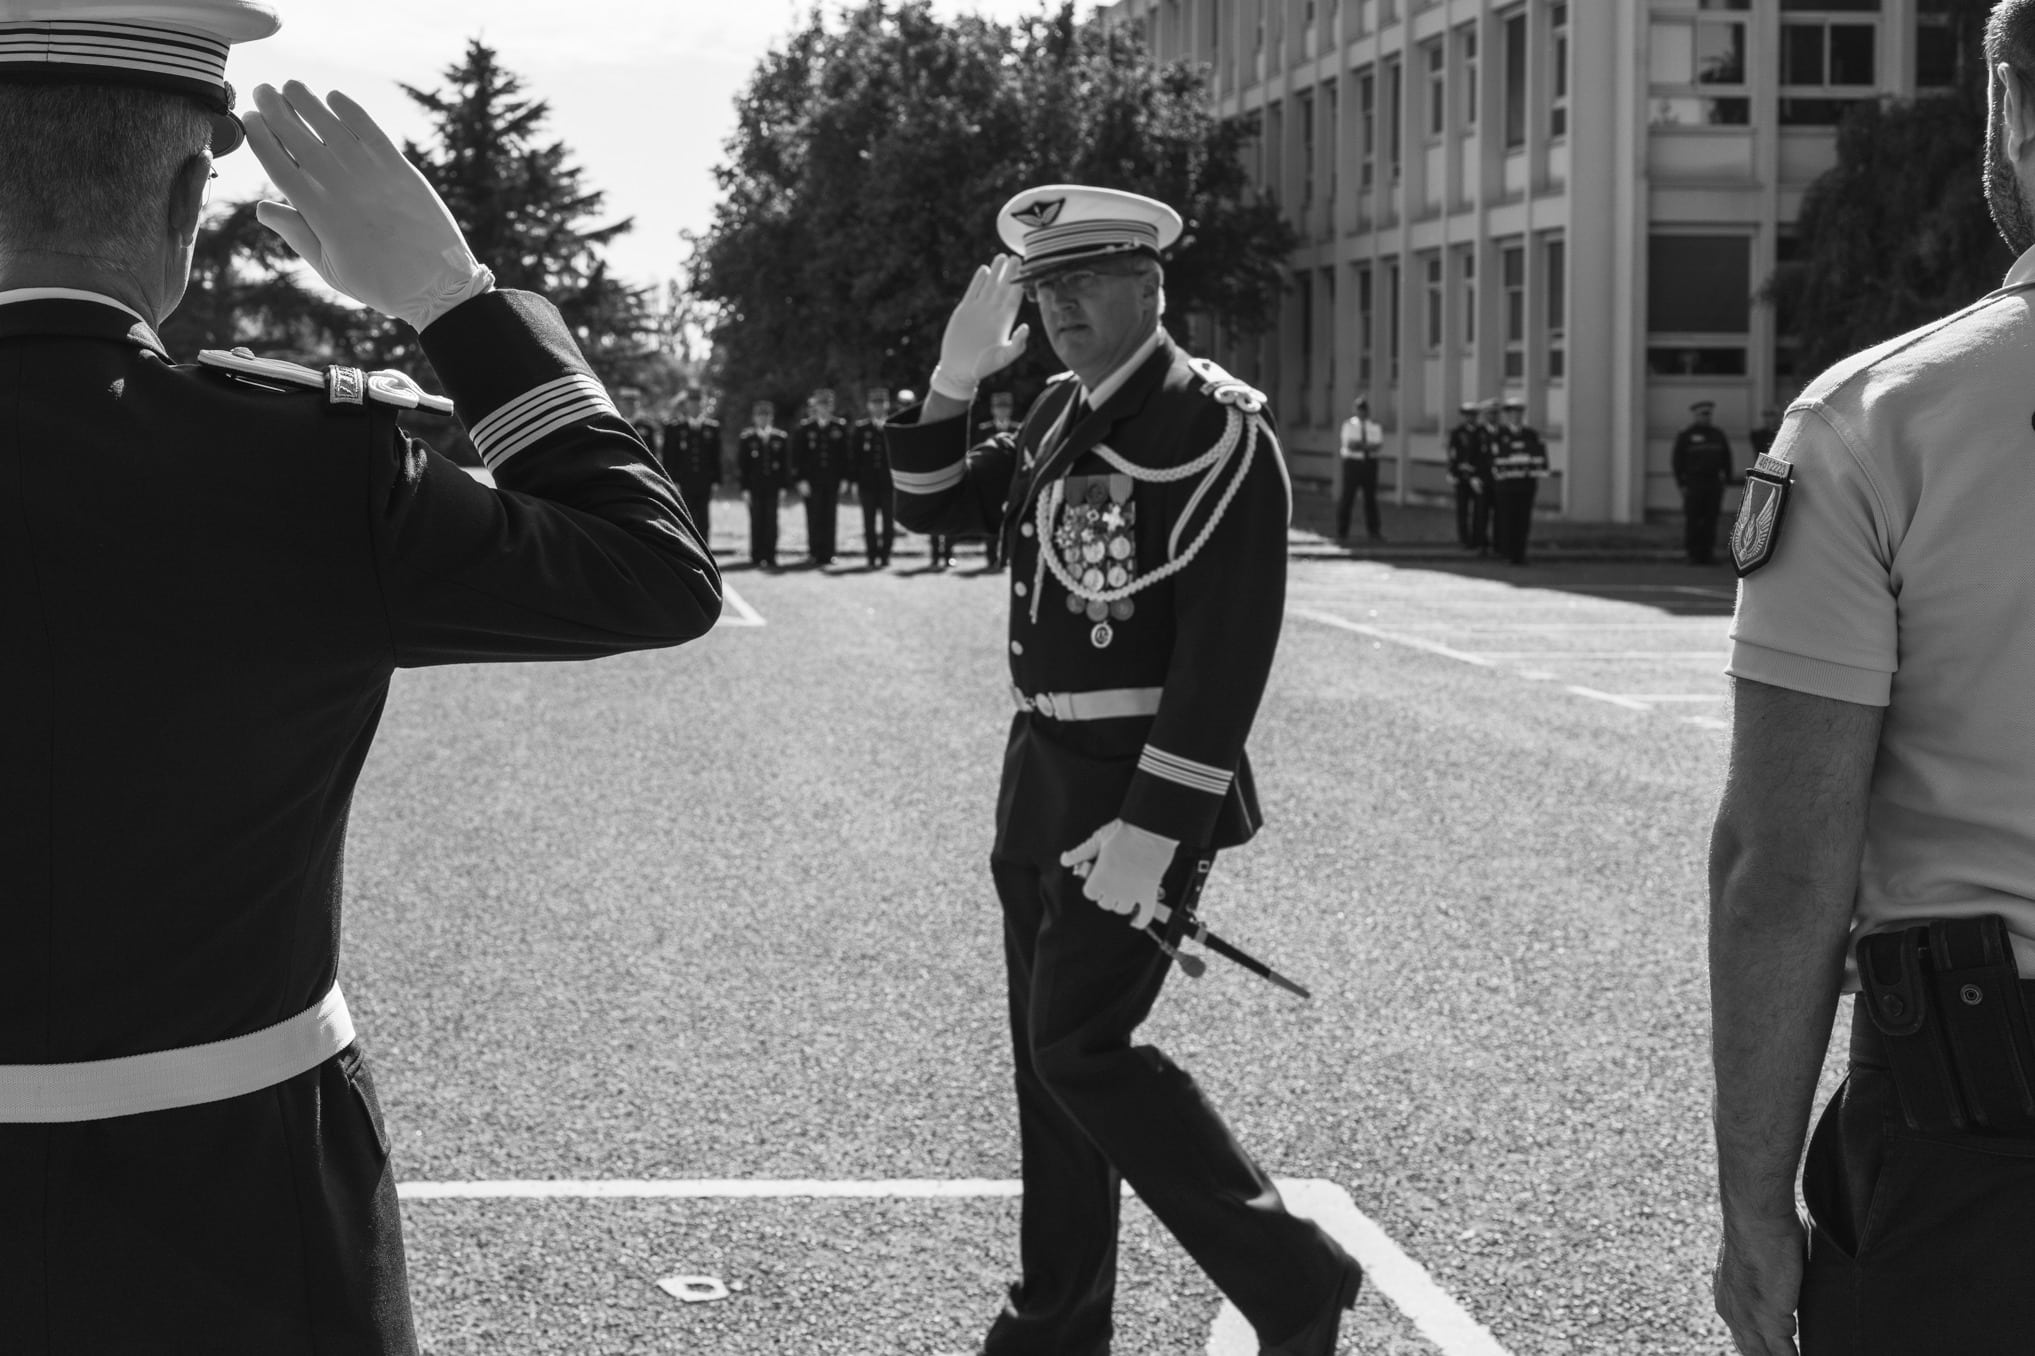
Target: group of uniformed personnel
(1497, 466)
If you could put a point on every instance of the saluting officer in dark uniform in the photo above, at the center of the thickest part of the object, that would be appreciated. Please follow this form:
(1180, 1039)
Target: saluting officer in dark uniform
(1465, 445)
(764, 464)
(1144, 505)
(691, 452)
(1702, 467)
(208, 574)
(869, 465)
(1516, 470)
(819, 459)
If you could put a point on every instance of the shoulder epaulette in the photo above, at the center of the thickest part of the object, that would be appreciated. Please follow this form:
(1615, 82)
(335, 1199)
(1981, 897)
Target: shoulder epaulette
(342, 385)
(1226, 389)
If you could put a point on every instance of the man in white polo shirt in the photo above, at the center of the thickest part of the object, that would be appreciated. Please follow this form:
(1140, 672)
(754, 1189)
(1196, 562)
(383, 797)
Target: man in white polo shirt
(1879, 810)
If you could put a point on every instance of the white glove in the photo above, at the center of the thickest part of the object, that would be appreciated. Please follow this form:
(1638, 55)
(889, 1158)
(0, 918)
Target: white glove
(979, 339)
(360, 214)
(1123, 865)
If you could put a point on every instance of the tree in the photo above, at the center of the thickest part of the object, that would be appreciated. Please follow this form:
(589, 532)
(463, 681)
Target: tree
(244, 290)
(1897, 232)
(869, 161)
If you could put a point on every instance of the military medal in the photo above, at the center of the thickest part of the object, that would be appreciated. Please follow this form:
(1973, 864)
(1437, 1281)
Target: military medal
(1101, 636)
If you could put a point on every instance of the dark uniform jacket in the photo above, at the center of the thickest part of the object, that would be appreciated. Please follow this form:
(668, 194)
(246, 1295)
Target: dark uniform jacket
(1520, 454)
(207, 580)
(692, 453)
(1469, 451)
(868, 458)
(819, 452)
(1204, 635)
(763, 460)
(1702, 456)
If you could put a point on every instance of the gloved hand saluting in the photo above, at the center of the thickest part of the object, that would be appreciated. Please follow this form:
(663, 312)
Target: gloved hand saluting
(979, 339)
(1123, 865)
(360, 214)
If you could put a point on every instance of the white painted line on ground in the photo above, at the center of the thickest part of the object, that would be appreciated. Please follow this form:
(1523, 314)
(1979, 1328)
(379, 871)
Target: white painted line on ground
(1387, 1269)
(1629, 703)
(1674, 696)
(745, 615)
(1717, 657)
(1410, 642)
(1706, 722)
(708, 1188)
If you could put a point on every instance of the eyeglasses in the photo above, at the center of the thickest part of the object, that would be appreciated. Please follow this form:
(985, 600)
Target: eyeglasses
(1075, 284)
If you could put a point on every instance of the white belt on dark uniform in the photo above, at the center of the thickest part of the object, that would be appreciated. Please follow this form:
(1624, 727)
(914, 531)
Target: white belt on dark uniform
(100, 1089)
(1106, 704)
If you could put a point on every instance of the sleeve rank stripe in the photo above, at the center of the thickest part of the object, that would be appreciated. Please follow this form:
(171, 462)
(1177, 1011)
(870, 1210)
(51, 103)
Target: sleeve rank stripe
(537, 412)
(927, 482)
(1184, 771)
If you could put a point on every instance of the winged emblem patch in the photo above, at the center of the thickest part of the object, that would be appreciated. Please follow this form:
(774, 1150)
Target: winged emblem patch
(1041, 214)
(1758, 529)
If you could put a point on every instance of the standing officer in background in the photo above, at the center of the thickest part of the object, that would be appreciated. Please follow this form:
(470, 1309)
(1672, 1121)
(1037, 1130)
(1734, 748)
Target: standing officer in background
(819, 459)
(1702, 467)
(1484, 526)
(1762, 438)
(629, 399)
(1145, 505)
(1465, 445)
(1517, 467)
(869, 466)
(208, 575)
(691, 452)
(1876, 834)
(764, 466)
(1002, 419)
(1357, 457)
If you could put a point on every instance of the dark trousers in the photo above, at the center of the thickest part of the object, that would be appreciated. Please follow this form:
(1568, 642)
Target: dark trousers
(822, 505)
(1700, 503)
(263, 1225)
(1358, 475)
(1921, 1242)
(1512, 517)
(1466, 511)
(763, 527)
(1095, 1110)
(699, 502)
(879, 528)
(942, 549)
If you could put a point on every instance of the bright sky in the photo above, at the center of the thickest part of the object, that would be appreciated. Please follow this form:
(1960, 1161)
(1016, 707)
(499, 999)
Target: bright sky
(642, 91)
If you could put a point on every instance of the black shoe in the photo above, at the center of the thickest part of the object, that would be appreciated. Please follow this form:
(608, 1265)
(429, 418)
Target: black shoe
(1318, 1337)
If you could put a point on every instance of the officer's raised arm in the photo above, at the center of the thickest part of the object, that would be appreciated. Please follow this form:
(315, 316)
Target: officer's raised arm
(590, 552)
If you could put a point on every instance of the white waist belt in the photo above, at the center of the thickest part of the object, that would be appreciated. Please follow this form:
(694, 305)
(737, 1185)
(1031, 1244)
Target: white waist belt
(100, 1089)
(1107, 704)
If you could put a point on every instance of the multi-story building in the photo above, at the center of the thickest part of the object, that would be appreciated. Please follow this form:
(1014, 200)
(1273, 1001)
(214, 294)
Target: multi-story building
(1575, 201)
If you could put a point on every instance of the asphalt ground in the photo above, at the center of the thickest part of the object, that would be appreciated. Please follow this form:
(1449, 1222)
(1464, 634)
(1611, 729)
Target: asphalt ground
(723, 912)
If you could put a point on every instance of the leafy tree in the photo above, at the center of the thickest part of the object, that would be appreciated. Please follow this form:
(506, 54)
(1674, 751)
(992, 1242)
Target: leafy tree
(1897, 232)
(869, 161)
(244, 291)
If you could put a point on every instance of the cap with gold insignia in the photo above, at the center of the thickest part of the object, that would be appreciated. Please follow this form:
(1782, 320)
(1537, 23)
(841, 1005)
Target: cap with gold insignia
(178, 46)
(1059, 224)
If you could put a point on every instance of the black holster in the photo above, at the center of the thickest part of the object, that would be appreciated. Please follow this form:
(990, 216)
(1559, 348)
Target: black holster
(1948, 999)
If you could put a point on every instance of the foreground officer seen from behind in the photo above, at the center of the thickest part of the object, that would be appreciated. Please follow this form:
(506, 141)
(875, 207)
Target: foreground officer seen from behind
(1877, 830)
(208, 574)
(1144, 505)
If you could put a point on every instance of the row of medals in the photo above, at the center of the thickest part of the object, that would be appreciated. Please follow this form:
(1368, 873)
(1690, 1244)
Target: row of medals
(1094, 541)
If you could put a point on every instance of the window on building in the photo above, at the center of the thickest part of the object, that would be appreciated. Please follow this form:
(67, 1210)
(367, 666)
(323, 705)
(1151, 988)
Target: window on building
(1435, 298)
(1329, 347)
(1556, 276)
(1696, 67)
(1512, 284)
(1367, 129)
(1468, 263)
(1395, 91)
(1303, 284)
(1515, 81)
(1364, 328)
(1437, 88)
(1787, 329)
(1698, 304)
(1333, 122)
(1272, 150)
(1558, 71)
(1304, 109)
(1392, 323)
(1829, 59)
(1467, 43)
(1935, 47)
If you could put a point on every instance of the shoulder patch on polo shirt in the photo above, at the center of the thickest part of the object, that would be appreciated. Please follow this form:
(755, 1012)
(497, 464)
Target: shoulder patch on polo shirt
(1758, 529)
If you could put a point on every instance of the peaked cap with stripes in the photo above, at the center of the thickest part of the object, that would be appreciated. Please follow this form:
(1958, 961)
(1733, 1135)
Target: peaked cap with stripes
(178, 46)
(1059, 224)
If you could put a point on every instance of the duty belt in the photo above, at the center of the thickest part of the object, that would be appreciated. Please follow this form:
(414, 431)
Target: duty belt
(1107, 704)
(100, 1089)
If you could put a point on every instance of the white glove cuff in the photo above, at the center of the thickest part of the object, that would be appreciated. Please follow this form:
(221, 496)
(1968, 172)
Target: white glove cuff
(428, 309)
(954, 388)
